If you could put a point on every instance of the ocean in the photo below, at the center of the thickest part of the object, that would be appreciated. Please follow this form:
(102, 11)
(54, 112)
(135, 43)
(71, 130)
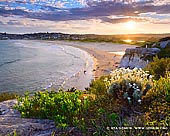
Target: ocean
(27, 65)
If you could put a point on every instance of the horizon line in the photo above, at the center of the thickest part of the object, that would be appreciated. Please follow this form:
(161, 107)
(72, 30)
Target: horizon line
(88, 33)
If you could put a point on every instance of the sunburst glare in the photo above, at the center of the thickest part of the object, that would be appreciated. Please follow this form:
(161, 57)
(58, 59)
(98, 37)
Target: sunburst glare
(131, 25)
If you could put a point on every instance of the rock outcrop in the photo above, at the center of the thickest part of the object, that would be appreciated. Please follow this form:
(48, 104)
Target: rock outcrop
(138, 57)
(162, 44)
(165, 44)
(11, 121)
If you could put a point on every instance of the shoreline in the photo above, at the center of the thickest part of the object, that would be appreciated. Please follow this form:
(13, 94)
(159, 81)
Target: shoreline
(82, 78)
(104, 61)
(105, 58)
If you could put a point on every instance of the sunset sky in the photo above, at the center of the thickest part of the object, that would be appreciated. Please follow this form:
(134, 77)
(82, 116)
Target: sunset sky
(85, 16)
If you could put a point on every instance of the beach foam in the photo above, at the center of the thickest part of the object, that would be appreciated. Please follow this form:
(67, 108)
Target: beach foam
(118, 52)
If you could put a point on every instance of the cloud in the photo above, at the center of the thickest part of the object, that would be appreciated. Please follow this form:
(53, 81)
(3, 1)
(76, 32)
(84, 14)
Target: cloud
(4, 12)
(123, 19)
(105, 8)
(91, 26)
(14, 22)
(83, 2)
(1, 23)
(93, 9)
(161, 2)
(60, 4)
(159, 9)
(136, 19)
(164, 21)
(100, 10)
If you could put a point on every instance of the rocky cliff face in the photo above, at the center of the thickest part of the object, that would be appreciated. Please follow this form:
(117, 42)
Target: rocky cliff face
(165, 44)
(138, 57)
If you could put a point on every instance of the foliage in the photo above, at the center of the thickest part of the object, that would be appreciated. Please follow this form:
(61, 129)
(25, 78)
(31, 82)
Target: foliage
(62, 107)
(99, 116)
(159, 67)
(69, 109)
(165, 52)
(98, 87)
(164, 39)
(7, 96)
(129, 85)
(106, 105)
(149, 44)
(103, 121)
(158, 110)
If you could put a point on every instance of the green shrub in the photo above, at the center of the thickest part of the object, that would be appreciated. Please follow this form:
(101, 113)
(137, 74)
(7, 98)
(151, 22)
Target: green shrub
(62, 107)
(158, 97)
(104, 121)
(69, 109)
(165, 52)
(98, 87)
(159, 67)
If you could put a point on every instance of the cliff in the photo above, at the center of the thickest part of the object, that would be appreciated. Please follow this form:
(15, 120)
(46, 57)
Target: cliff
(138, 57)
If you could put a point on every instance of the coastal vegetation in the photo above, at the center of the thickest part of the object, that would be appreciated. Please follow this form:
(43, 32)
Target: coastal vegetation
(159, 67)
(113, 105)
(126, 102)
(163, 44)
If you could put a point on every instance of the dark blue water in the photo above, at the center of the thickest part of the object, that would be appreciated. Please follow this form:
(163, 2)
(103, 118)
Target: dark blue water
(36, 65)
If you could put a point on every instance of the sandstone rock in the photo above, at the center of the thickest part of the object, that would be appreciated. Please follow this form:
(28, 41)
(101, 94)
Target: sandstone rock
(138, 57)
(162, 44)
(165, 44)
(11, 121)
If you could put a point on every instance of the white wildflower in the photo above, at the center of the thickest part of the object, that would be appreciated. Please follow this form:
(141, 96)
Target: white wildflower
(134, 84)
(105, 80)
(128, 98)
(139, 101)
(130, 85)
(138, 90)
(150, 76)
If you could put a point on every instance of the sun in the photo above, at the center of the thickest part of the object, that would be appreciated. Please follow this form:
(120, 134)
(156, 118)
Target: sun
(130, 25)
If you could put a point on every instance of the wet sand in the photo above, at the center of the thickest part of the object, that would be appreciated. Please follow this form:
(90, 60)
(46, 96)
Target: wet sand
(104, 62)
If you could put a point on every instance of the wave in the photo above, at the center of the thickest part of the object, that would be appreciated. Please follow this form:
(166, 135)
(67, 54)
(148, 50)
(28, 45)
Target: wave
(9, 62)
(45, 72)
(70, 77)
(48, 86)
(66, 52)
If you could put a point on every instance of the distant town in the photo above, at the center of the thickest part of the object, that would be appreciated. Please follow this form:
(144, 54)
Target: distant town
(41, 36)
(82, 37)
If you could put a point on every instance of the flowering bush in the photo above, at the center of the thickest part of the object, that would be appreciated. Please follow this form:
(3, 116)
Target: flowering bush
(129, 85)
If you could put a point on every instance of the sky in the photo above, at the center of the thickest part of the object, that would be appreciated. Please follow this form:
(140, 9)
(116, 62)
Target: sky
(85, 16)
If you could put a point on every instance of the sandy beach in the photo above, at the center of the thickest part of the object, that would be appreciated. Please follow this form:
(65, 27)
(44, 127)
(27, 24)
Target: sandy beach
(106, 58)
(104, 62)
